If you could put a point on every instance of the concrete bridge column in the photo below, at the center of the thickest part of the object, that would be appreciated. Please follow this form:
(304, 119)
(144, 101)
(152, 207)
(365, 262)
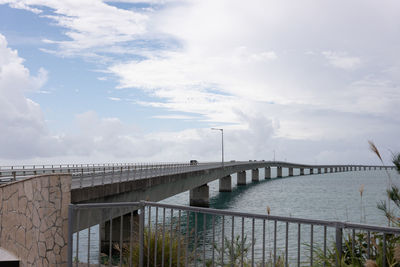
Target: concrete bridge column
(117, 230)
(279, 172)
(331, 169)
(267, 172)
(200, 196)
(241, 178)
(319, 171)
(365, 168)
(301, 171)
(312, 171)
(326, 170)
(225, 184)
(375, 168)
(336, 169)
(255, 175)
(290, 171)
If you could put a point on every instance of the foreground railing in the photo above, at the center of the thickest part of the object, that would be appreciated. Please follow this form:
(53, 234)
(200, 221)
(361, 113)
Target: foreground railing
(155, 234)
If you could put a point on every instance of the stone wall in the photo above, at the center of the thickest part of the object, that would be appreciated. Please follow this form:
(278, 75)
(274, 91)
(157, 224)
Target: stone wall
(34, 219)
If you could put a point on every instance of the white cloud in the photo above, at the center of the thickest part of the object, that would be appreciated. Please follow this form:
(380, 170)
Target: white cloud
(91, 26)
(114, 98)
(175, 117)
(342, 60)
(23, 132)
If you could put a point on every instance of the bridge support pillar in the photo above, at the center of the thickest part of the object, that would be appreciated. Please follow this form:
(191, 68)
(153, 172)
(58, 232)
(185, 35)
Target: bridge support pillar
(225, 184)
(290, 171)
(279, 172)
(255, 175)
(365, 168)
(331, 169)
(311, 170)
(325, 170)
(267, 172)
(241, 178)
(319, 171)
(117, 231)
(200, 196)
(301, 171)
(375, 168)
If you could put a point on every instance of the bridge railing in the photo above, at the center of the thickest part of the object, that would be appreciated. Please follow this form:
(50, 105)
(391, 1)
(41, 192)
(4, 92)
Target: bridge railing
(12, 173)
(171, 235)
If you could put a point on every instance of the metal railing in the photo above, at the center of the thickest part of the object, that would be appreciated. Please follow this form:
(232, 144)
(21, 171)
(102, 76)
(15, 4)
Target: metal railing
(171, 235)
(94, 174)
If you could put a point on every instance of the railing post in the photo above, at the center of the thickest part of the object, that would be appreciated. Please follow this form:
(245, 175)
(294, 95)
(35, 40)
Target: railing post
(141, 233)
(71, 211)
(339, 237)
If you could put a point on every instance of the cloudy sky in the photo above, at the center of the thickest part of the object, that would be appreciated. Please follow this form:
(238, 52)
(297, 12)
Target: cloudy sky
(137, 81)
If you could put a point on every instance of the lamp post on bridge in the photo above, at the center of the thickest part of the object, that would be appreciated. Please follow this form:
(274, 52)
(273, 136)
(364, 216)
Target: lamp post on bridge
(222, 132)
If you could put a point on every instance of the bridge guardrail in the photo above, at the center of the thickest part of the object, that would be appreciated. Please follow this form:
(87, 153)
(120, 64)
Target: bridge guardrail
(210, 237)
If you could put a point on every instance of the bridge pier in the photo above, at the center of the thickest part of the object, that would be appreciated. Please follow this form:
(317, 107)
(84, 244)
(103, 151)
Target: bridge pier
(311, 170)
(200, 196)
(267, 172)
(326, 170)
(255, 175)
(301, 171)
(290, 171)
(225, 184)
(319, 171)
(119, 229)
(279, 172)
(241, 178)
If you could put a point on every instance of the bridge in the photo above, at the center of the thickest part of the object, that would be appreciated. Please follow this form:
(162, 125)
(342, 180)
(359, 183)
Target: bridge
(34, 199)
(157, 181)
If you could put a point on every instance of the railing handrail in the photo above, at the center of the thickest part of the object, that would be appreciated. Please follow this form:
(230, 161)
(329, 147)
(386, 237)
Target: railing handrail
(329, 223)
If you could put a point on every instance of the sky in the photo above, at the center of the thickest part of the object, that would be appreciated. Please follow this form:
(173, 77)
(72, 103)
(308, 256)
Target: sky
(145, 81)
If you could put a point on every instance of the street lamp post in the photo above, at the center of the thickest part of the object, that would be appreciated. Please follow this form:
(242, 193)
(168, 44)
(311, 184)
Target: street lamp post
(222, 132)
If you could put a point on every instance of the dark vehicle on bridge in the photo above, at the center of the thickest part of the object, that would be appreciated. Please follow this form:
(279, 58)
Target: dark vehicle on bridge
(193, 162)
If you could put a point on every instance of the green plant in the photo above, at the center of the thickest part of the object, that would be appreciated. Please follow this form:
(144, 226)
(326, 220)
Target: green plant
(354, 251)
(232, 254)
(156, 244)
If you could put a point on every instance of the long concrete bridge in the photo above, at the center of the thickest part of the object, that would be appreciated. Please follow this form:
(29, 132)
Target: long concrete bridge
(154, 182)
(34, 199)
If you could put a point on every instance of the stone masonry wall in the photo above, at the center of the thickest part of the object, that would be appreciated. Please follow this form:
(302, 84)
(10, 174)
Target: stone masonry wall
(34, 219)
